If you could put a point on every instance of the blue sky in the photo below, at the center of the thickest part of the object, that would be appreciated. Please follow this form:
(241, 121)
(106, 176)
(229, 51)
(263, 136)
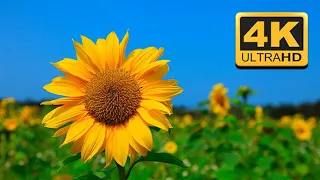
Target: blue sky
(34, 33)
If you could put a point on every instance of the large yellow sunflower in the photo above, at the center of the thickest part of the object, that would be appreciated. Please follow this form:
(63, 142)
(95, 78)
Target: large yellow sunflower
(111, 100)
(219, 102)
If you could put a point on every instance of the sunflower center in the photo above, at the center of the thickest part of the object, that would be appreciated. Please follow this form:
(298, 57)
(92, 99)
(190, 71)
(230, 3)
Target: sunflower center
(112, 97)
(220, 99)
(301, 130)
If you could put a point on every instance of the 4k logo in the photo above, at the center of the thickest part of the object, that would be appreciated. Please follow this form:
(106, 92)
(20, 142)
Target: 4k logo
(271, 40)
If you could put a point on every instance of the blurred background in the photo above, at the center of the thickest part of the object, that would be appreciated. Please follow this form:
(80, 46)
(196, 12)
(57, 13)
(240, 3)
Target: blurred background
(271, 131)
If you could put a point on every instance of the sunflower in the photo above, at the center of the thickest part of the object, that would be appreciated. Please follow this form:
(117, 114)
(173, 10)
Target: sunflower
(219, 101)
(111, 100)
(220, 124)
(170, 147)
(5, 101)
(302, 130)
(2, 113)
(312, 122)
(187, 119)
(10, 124)
(285, 121)
(26, 112)
(258, 112)
(252, 123)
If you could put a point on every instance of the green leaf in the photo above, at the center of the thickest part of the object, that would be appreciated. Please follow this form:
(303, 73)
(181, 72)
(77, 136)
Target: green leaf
(169, 130)
(265, 162)
(265, 124)
(302, 169)
(277, 176)
(89, 176)
(225, 174)
(230, 119)
(249, 109)
(162, 157)
(196, 135)
(266, 141)
(153, 128)
(204, 112)
(236, 138)
(285, 133)
(235, 102)
(203, 103)
(69, 160)
(107, 172)
(230, 160)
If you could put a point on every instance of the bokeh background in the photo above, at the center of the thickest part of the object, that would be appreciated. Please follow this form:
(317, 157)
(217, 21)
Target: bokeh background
(199, 39)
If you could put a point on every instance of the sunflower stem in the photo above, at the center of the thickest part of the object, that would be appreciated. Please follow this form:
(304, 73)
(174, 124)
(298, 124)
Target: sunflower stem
(121, 172)
(131, 167)
(3, 155)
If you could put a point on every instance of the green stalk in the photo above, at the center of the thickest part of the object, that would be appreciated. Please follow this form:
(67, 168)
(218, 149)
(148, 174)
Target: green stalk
(121, 172)
(3, 155)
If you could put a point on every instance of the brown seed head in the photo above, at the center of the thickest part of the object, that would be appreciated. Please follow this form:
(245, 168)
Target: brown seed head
(112, 97)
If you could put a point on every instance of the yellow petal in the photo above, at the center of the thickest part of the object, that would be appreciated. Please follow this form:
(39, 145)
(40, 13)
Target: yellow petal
(151, 119)
(83, 57)
(120, 145)
(154, 75)
(61, 131)
(151, 104)
(78, 129)
(136, 146)
(154, 68)
(168, 104)
(103, 147)
(64, 101)
(102, 53)
(93, 141)
(65, 86)
(73, 67)
(162, 94)
(73, 113)
(109, 149)
(132, 154)
(158, 84)
(122, 49)
(156, 114)
(77, 145)
(112, 51)
(129, 63)
(55, 112)
(143, 61)
(137, 57)
(90, 48)
(141, 132)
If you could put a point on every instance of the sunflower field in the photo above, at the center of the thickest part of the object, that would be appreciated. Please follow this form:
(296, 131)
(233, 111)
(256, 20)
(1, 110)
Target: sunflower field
(214, 144)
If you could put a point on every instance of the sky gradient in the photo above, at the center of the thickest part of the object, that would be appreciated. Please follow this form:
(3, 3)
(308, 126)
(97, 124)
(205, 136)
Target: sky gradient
(198, 38)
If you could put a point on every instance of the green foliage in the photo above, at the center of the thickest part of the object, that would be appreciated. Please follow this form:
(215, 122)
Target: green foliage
(69, 160)
(230, 151)
(162, 157)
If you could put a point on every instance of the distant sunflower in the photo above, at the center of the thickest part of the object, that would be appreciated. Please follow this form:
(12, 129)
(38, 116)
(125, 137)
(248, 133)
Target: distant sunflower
(219, 102)
(10, 124)
(111, 100)
(285, 121)
(302, 130)
(187, 119)
(170, 147)
(258, 112)
(220, 124)
(312, 122)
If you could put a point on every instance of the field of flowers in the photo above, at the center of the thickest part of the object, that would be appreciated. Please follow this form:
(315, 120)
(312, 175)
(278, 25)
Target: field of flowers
(214, 145)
